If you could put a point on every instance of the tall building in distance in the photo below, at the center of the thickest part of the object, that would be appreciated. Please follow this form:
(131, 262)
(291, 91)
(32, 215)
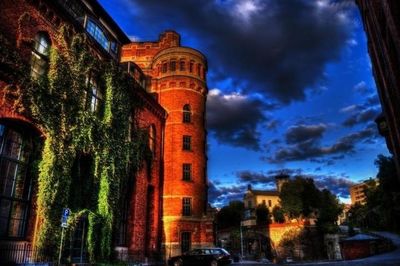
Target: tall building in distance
(357, 191)
(381, 19)
(177, 79)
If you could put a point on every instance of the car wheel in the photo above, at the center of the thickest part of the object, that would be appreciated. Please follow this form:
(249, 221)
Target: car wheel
(178, 263)
(214, 263)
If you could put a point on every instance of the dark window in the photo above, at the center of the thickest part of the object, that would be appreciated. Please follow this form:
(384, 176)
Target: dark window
(97, 33)
(186, 241)
(191, 66)
(250, 204)
(269, 203)
(199, 70)
(187, 171)
(186, 206)
(187, 143)
(75, 8)
(263, 203)
(164, 68)
(172, 66)
(40, 55)
(182, 65)
(15, 184)
(187, 114)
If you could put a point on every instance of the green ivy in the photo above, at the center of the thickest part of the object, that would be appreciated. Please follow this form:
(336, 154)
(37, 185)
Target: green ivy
(57, 103)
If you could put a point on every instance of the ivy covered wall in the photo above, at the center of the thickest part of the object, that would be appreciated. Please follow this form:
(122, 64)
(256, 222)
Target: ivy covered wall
(87, 157)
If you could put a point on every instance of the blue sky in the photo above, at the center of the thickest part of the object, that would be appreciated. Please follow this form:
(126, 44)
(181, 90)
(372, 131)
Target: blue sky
(290, 87)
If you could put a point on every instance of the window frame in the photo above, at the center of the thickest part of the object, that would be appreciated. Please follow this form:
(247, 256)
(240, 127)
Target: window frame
(187, 143)
(40, 55)
(187, 114)
(186, 206)
(21, 203)
(186, 241)
(187, 172)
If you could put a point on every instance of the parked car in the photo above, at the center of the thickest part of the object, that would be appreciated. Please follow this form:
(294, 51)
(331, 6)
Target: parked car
(202, 257)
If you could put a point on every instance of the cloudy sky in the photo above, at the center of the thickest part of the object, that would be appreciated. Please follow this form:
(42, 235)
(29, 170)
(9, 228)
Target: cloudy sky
(290, 87)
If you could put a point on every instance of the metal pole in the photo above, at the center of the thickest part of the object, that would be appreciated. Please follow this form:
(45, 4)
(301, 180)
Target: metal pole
(241, 240)
(61, 245)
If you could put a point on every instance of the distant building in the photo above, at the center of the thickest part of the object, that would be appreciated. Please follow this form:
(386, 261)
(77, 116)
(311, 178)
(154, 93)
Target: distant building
(381, 20)
(357, 191)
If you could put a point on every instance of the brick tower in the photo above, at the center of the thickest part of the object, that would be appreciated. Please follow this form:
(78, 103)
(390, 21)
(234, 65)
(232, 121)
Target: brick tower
(176, 76)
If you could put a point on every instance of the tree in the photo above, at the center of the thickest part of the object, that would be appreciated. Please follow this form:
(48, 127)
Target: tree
(328, 212)
(299, 197)
(262, 214)
(278, 214)
(231, 215)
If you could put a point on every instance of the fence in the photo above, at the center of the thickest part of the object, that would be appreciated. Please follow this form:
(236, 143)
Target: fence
(12, 253)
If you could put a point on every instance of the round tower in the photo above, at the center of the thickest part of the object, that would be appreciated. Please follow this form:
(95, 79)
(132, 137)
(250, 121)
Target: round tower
(179, 82)
(176, 76)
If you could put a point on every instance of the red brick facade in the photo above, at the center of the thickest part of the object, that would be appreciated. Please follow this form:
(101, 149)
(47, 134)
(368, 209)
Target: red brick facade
(381, 20)
(177, 79)
(20, 21)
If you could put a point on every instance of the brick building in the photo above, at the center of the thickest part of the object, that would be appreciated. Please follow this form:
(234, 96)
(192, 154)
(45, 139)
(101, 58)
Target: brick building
(177, 78)
(381, 20)
(29, 31)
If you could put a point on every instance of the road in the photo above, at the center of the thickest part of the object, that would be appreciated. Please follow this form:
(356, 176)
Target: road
(390, 258)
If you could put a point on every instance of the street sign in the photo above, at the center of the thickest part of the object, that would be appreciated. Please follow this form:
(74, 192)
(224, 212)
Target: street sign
(64, 217)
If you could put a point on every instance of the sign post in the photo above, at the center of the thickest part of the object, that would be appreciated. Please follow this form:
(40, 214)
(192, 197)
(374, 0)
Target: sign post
(64, 224)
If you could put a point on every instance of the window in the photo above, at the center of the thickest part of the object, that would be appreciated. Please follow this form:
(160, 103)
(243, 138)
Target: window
(187, 114)
(186, 206)
(191, 66)
(15, 184)
(164, 68)
(263, 203)
(187, 143)
(186, 241)
(97, 33)
(152, 139)
(249, 203)
(199, 70)
(269, 203)
(182, 65)
(187, 171)
(172, 66)
(95, 97)
(40, 55)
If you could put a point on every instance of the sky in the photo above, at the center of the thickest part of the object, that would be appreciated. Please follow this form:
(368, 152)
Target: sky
(290, 88)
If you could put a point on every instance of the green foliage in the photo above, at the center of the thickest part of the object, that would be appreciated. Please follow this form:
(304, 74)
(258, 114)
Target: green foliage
(262, 214)
(301, 199)
(231, 215)
(58, 104)
(278, 214)
(382, 208)
(298, 197)
(328, 212)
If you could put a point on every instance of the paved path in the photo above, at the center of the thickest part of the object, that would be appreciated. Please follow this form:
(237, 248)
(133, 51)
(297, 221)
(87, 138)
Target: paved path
(390, 258)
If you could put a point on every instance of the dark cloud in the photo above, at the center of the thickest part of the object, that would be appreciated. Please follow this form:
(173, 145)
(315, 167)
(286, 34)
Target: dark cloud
(233, 118)
(222, 195)
(302, 133)
(362, 116)
(256, 178)
(278, 48)
(311, 149)
(337, 185)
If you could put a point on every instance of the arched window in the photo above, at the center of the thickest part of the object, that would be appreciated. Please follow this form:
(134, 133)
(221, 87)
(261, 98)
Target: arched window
(15, 182)
(40, 55)
(172, 65)
(187, 114)
(98, 34)
(152, 139)
(191, 64)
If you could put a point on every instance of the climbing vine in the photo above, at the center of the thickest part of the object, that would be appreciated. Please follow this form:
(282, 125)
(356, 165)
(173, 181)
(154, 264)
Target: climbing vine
(58, 104)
